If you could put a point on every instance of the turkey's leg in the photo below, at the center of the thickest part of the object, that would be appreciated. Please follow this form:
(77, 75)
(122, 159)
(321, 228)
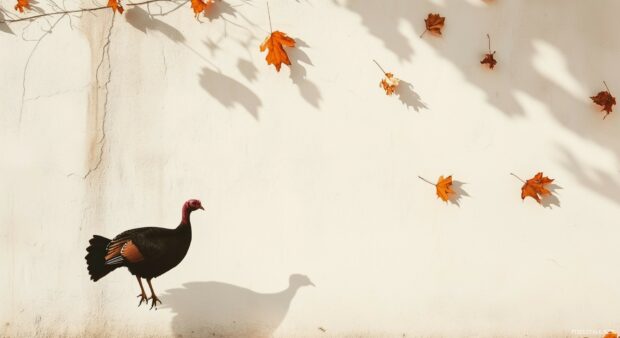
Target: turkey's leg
(142, 295)
(153, 298)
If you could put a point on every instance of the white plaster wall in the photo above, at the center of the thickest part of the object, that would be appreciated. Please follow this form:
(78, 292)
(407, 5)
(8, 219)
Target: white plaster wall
(313, 170)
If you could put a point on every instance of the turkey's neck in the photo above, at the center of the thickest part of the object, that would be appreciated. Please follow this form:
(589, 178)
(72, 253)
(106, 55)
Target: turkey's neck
(185, 217)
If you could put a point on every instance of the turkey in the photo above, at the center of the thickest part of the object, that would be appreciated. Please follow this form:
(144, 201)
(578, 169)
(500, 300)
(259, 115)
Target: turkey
(147, 252)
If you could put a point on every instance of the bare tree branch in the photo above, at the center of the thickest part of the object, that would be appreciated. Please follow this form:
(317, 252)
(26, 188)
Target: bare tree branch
(80, 10)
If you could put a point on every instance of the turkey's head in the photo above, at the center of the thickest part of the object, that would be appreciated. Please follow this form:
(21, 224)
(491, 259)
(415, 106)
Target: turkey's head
(296, 281)
(193, 204)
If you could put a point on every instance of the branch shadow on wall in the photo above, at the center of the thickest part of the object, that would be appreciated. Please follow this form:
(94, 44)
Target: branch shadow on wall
(205, 309)
(142, 21)
(229, 91)
(542, 53)
(308, 90)
(595, 178)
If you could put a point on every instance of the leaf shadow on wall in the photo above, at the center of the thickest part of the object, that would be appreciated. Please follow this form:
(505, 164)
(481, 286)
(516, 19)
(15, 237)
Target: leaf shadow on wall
(142, 21)
(459, 193)
(229, 91)
(408, 97)
(247, 69)
(204, 309)
(3, 26)
(542, 53)
(548, 201)
(308, 90)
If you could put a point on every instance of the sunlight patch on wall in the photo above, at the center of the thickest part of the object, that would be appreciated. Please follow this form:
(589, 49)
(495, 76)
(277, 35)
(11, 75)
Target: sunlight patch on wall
(551, 64)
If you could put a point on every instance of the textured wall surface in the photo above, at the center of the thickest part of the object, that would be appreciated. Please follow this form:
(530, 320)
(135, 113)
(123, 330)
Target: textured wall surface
(109, 123)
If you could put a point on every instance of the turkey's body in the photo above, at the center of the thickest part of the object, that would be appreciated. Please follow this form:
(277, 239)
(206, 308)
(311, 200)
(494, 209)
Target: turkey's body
(163, 249)
(146, 252)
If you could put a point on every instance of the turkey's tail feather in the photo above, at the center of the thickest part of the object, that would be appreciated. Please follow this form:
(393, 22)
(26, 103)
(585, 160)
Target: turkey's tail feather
(95, 258)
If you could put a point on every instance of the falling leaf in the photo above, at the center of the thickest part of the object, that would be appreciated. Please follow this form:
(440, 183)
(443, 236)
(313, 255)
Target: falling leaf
(21, 4)
(200, 6)
(444, 188)
(535, 187)
(389, 83)
(434, 24)
(605, 100)
(610, 334)
(116, 6)
(276, 55)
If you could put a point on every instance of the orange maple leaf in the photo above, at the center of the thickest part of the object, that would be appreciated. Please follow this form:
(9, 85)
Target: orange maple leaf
(200, 6)
(389, 83)
(535, 187)
(434, 23)
(116, 6)
(276, 55)
(605, 100)
(444, 188)
(610, 334)
(21, 4)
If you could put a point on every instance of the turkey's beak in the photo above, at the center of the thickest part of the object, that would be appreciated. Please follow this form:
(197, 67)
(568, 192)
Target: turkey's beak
(312, 284)
(200, 207)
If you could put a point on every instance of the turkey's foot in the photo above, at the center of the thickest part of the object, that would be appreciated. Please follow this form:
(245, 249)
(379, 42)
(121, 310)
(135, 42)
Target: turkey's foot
(143, 299)
(154, 301)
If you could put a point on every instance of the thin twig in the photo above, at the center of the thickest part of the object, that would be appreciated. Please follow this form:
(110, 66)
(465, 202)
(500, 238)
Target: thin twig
(375, 61)
(519, 178)
(606, 87)
(427, 181)
(489, 37)
(269, 16)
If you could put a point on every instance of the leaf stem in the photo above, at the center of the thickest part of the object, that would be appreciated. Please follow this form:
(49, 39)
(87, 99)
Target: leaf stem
(489, 38)
(427, 181)
(421, 35)
(269, 16)
(519, 178)
(606, 87)
(378, 65)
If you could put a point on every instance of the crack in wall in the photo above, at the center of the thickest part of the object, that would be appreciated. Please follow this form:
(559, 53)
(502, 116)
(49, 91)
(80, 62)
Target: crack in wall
(105, 56)
(34, 49)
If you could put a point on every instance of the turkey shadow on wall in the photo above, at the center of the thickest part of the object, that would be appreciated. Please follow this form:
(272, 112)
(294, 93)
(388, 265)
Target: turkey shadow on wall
(219, 309)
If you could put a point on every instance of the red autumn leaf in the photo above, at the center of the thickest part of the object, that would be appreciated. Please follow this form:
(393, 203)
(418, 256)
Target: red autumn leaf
(21, 4)
(434, 23)
(389, 83)
(275, 43)
(489, 60)
(116, 6)
(535, 187)
(605, 100)
(200, 6)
